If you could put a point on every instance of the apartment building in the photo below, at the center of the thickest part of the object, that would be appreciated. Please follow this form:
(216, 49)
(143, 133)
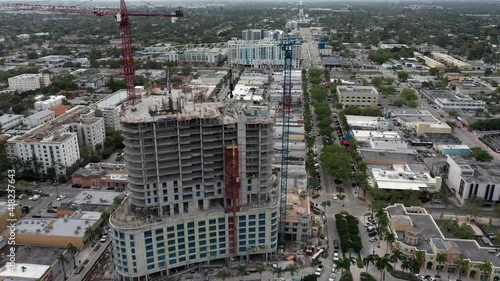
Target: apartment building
(200, 186)
(9, 121)
(362, 96)
(55, 144)
(260, 54)
(48, 103)
(29, 82)
(38, 118)
(202, 57)
(468, 178)
(109, 109)
(92, 82)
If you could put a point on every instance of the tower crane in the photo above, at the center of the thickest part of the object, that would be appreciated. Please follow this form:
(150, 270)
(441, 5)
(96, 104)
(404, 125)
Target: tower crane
(287, 46)
(121, 15)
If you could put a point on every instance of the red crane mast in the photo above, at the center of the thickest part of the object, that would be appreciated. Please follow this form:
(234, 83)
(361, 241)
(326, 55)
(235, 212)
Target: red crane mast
(121, 15)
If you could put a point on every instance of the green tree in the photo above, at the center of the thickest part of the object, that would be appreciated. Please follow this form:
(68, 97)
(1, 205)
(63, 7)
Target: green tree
(345, 264)
(408, 94)
(462, 267)
(413, 103)
(333, 159)
(452, 124)
(279, 272)
(441, 259)
(260, 268)
(369, 259)
(486, 267)
(434, 71)
(90, 233)
(480, 155)
(242, 270)
(403, 76)
(387, 90)
(105, 216)
(72, 250)
(63, 261)
(293, 269)
(223, 275)
(326, 203)
(452, 113)
(396, 256)
(382, 264)
(488, 72)
(377, 81)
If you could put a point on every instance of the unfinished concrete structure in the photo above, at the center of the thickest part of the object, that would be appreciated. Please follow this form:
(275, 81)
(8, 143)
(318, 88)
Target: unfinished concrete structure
(200, 185)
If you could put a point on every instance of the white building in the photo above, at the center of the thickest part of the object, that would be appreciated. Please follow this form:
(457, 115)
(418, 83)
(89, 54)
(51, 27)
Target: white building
(52, 59)
(260, 54)
(49, 103)
(460, 102)
(23, 272)
(50, 148)
(92, 82)
(29, 82)
(367, 122)
(401, 177)
(39, 118)
(109, 109)
(472, 179)
(362, 96)
(9, 121)
(90, 130)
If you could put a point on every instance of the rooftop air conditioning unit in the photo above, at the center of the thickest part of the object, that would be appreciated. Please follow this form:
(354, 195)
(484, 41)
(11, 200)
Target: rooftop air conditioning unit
(38, 230)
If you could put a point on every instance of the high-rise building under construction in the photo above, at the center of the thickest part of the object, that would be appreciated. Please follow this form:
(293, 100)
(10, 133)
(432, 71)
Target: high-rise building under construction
(201, 187)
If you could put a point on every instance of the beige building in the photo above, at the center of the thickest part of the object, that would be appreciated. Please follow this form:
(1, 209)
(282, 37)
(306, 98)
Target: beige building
(452, 61)
(362, 96)
(425, 127)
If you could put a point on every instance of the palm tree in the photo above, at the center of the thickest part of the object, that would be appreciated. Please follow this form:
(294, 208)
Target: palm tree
(383, 263)
(440, 259)
(420, 257)
(486, 268)
(414, 265)
(396, 256)
(260, 268)
(369, 259)
(223, 275)
(105, 216)
(390, 238)
(405, 265)
(89, 232)
(63, 261)
(293, 269)
(462, 266)
(242, 270)
(278, 271)
(325, 204)
(345, 264)
(72, 250)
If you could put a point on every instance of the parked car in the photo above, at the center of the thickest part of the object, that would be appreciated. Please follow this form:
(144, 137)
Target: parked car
(79, 269)
(335, 197)
(22, 196)
(336, 244)
(332, 277)
(335, 256)
(319, 270)
(35, 197)
(75, 185)
(371, 234)
(104, 238)
(86, 187)
(373, 239)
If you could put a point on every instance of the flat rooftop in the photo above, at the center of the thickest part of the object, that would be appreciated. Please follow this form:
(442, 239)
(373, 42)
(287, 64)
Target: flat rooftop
(24, 271)
(72, 226)
(400, 177)
(113, 100)
(362, 135)
(363, 121)
(9, 117)
(95, 197)
(389, 156)
(357, 90)
(32, 254)
(484, 172)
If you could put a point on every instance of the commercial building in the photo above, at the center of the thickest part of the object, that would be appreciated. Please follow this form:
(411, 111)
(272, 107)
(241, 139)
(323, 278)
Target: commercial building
(362, 96)
(92, 82)
(53, 59)
(447, 99)
(200, 186)
(451, 61)
(264, 53)
(9, 121)
(29, 82)
(419, 121)
(55, 144)
(50, 102)
(453, 149)
(468, 178)
(417, 231)
(109, 109)
(468, 87)
(374, 123)
(57, 232)
(430, 62)
(378, 139)
(24, 272)
(101, 175)
(401, 177)
(39, 118)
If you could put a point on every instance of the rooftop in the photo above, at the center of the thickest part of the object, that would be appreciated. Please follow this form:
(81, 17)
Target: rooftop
(68, 226)
(23, 271)
(401, 177)
(363, 136)
(40, 114)
(95, 197)
(9, 117)
(389, 156)
(484, 172)
(297, 207)
(45, 132)
(357, 89)
(113, 100)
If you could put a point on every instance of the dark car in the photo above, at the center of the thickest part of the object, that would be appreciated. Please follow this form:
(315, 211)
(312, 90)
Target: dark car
(79, 269)
(373, 233)
(75, 185)
(86, 187)
(110, 188)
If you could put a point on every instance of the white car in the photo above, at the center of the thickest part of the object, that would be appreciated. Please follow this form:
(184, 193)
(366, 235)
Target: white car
(60, 197)
(335, 197)
(36, 197)
(332, 277)
(335, 256)
(104, 238)
(30, 198)
(319, 270)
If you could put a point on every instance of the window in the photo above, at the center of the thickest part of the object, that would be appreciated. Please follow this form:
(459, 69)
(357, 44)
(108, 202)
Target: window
(201, 223)
(159, 231)
(147, 233)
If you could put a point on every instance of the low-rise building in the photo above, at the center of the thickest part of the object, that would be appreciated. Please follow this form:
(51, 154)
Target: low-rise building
(29, 82)
(50, 102)
(401, 177)
(430, 62)
(419, 121)
(362, 96)
(468, 178)
(9, 121)
(416, 230)
(453, 76)
(53, 59)
(468, 87)
(39, 118)
(447, 99)
(57, 232)
(374, 123)
(453, 149)
(451, 61)
(93, 175)
(92, 82)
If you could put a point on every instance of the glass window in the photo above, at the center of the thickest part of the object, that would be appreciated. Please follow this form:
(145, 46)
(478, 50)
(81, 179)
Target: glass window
(147, 233)
(170, 229)
(201, 223)
(190, 224)
(159, 231)
(180, 226)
